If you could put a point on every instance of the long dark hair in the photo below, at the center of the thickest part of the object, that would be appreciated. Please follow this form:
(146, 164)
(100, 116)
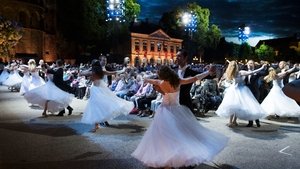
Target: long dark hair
(167, 74)
(97, 71)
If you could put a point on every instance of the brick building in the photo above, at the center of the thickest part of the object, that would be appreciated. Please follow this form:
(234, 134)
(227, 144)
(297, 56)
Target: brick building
(38, 19)
(150, 44)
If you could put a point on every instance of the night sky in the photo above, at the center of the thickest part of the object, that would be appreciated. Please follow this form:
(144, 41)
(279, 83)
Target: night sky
(266, 18)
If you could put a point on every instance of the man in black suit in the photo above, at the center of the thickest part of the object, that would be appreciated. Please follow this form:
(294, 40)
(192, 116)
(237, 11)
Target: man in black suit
(42, 66)
(58, 80)
(184, 71)
(252, 81)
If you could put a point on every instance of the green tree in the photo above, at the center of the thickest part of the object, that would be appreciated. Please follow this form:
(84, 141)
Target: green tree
(265, 52)
(213, 36)
(10, 34)
(206, 35)
(132, 10)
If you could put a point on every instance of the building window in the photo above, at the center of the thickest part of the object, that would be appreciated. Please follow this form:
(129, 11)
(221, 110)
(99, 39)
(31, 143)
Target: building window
(137, 45)
(145, 45)
(177, 48)
(152, 46)
(172, 49)
(165, 47)
(159, 46)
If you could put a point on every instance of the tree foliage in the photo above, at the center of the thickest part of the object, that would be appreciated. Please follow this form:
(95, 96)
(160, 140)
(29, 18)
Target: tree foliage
(265, 52)
(132, 10)
(206, 35)
(10, 34)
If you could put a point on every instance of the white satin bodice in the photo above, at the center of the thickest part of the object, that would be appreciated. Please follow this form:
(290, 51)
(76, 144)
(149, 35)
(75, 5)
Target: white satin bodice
(239, 80)
(171, 98)
(278, 82)
(99, 83)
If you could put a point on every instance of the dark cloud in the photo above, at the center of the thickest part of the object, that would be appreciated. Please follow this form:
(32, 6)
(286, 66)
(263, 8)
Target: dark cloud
(265, 17)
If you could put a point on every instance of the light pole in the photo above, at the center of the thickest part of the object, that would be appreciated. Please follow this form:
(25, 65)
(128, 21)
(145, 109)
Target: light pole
(244, 32)
(115, 14)
(115, 10)
(189, 21)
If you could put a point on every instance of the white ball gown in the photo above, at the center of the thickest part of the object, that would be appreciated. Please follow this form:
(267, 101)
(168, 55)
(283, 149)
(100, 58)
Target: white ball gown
(175, 138)
(104, 105)
(25, 83)
(4, 75)
(13, 79)
(58, 99)
(278, 103)
(30, 81)
(239, 101)
(35, 80)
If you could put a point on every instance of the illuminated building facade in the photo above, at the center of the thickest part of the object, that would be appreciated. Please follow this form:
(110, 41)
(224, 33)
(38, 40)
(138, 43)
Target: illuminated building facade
(155, 48)
(38, 19)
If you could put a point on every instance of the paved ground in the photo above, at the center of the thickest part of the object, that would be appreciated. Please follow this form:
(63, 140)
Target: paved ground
(30, 142)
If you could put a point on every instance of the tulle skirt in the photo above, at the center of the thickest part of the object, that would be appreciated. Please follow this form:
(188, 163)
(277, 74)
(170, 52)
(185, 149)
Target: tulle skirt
(104, 105)
(278, 103)
(35, 82)
(25, 83)
(175, 139)
(238, 100)
(57, 98)
(4, 75)
(13, 79)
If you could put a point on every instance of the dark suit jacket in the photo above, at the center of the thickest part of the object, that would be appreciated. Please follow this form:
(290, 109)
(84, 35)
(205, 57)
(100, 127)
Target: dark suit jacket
(254, 84)
(184, 95)
(58, 79)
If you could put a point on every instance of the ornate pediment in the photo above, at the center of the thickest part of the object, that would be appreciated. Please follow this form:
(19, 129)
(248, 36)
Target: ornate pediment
(159, 34)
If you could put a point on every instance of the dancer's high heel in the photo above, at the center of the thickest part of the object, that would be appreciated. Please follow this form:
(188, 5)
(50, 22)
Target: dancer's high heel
(95, 129)
(44, 114)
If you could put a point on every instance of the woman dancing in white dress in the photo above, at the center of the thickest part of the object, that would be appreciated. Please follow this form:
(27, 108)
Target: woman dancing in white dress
(49, 97)
(175, 138)
(103, 104)
(14, 80)
(276, 102)
(31, 78)
(238, 101)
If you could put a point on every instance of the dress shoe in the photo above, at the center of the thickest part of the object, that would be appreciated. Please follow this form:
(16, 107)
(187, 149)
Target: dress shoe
(61, 113)
(257, 123)
(70, 110)
(250, 124)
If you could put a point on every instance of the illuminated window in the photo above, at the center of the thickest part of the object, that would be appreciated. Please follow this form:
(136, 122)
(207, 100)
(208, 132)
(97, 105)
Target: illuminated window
(165, 47)
(159, 46)
(137, 45)
(172, 49)
(151, 46)
(144, 45)
(177, 48)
